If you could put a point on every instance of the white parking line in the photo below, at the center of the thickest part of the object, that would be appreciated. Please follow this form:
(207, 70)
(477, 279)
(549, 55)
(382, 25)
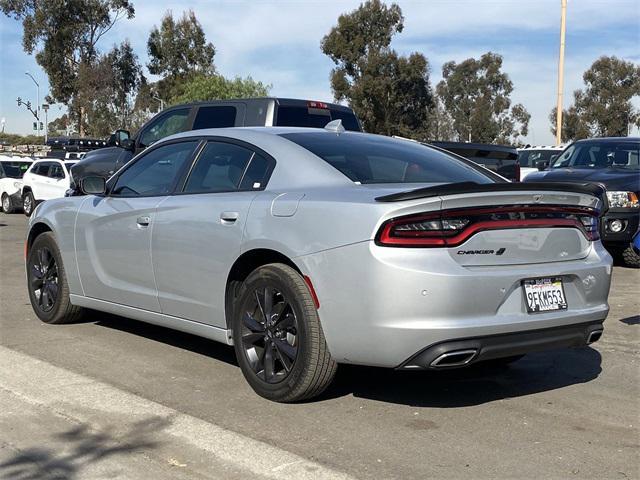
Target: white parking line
(82, 400)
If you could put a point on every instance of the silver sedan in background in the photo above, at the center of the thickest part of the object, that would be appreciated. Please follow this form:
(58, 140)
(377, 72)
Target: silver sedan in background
(306, 248)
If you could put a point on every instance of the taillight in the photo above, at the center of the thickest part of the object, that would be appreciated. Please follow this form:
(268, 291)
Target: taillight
(451, 228)
(312, 104)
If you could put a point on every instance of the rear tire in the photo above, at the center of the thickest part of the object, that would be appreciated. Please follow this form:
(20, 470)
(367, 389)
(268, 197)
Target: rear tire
(7, 205)
(278, 338)
(47, 283)
(28, 203)
(630, 257)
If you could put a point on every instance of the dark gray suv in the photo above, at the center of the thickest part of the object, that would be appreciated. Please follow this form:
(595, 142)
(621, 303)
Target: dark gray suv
(251, 112)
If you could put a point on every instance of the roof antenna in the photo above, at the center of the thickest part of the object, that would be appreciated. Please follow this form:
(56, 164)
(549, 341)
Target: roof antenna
(335, 126)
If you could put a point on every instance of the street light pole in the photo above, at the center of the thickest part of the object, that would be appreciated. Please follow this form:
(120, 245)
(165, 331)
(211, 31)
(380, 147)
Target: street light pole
(37, 104)
(45, 107)
(563, 25)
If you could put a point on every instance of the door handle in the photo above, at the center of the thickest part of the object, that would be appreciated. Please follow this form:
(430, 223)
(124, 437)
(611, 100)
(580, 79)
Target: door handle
(143, 221)
(228, 218)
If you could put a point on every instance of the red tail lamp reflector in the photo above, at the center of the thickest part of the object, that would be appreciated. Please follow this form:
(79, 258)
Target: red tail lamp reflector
(316, 302)
(451, 228)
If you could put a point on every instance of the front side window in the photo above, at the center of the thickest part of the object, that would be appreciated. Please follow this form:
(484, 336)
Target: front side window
(155, 173)
(220, 168)
(55, 171)
(376, 159)
(215, 117)
(168, 124)
(41, 168)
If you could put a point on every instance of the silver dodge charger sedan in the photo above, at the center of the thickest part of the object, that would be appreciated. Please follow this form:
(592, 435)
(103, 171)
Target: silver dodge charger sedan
(307, 248)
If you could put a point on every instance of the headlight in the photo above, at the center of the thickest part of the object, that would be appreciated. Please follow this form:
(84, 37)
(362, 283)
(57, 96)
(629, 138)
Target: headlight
(622, 200)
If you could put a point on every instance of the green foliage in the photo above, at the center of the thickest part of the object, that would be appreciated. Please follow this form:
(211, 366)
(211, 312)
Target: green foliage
(216, 87)
(14, 139)
(64, 35)
(476, 95)
(178, 51)
(59, 124)
(390, 93)
(604, 107)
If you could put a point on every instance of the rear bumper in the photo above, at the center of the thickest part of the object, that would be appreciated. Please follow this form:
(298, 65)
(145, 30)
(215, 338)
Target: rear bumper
(380, 306)
(468, 351)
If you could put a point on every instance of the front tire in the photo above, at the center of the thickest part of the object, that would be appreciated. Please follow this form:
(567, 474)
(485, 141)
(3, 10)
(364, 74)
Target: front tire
(47, 283)
(28, 203)
(278, 338)
(7, 205)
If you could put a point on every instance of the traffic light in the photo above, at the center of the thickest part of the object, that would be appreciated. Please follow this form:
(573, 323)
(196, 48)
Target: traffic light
(41, 126)
(35, 125)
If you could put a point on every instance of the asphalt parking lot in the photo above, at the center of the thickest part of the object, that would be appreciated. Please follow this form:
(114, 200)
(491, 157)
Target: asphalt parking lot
(115, 398)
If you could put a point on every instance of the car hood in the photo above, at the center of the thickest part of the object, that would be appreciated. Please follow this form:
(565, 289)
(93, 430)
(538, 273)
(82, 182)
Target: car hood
(611, 178)
(108, 152)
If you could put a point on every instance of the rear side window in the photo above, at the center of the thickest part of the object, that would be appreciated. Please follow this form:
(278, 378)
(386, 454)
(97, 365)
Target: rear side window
(376, 159)
(154, 173)
(215, 117)
(225, 167)
(13, 169)
(302, 116)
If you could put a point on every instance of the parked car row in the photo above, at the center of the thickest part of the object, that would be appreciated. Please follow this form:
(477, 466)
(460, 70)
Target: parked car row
(611, 162)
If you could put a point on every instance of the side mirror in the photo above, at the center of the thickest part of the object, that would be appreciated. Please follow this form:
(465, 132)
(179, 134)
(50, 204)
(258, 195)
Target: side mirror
(121, 135)
(542, 165)
(93, 185)
(128, 144)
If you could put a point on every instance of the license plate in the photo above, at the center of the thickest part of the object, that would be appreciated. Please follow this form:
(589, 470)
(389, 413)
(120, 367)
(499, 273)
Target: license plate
(544, 294)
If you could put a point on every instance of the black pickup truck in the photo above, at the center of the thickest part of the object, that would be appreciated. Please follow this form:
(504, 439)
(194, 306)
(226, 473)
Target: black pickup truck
(615, 163)
(251, 112)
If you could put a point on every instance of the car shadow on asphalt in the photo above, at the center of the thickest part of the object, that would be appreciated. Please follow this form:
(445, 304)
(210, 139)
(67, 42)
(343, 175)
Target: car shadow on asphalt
(175, 338)
(78, 448)
(632, 320)
(475, 385)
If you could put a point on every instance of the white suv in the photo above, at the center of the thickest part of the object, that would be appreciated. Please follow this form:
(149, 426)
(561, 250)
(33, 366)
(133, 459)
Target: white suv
(46, 179)
(12, 169)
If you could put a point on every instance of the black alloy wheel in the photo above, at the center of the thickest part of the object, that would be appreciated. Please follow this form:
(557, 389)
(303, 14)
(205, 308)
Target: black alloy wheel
(269, 334)
(277, 336)
(44, 279)
(47, 282)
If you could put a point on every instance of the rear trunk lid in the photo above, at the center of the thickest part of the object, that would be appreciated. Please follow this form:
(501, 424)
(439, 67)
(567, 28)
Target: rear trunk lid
(502, 224)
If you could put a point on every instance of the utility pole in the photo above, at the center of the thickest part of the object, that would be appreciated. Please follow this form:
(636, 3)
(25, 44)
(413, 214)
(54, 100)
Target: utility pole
(563, 27)
(37, 115)
(45, 107)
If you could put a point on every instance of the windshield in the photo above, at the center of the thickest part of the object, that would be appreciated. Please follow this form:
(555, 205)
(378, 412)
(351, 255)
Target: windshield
(14, 169)
(377, 159)
(528, 158)
(600, 155)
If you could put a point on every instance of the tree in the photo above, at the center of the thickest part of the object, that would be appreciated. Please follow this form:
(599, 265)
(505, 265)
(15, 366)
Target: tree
(573, 126)
(476, 93)
(178, 50)
(604, 107)
(390, 93)
(64, 34)
(216, 87)
(60, 124)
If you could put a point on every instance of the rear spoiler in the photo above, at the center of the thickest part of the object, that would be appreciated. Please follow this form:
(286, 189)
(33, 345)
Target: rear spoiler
(594, 189)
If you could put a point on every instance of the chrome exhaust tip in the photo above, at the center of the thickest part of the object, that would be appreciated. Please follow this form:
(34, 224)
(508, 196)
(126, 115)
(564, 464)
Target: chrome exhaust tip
(594, 336)
(454, 359)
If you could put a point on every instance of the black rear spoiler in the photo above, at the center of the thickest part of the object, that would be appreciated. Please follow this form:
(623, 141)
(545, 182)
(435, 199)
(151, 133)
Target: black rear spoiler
(595, 189)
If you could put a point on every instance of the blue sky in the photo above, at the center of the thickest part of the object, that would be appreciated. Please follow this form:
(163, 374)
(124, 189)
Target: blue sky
(277, 42)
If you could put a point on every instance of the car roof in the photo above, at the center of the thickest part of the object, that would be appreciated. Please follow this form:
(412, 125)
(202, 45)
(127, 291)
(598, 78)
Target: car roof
(609, 140)
(279, 100)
